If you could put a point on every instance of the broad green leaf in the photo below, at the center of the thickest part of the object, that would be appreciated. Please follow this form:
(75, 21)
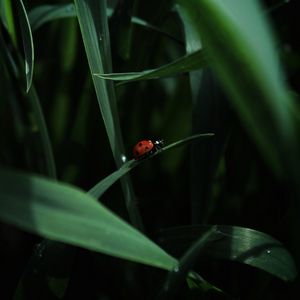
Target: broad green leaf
(239, 45)
(100, 188)
(66, 214)
(189, 62)
(93, 24)
(239, 244)
(27, 43)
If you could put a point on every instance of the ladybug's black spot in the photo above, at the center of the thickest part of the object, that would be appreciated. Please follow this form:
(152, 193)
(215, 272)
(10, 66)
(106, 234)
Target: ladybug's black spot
(140, 144)
(146, 147)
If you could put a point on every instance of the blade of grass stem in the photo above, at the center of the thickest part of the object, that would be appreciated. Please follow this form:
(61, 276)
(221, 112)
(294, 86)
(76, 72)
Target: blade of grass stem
(100, 188)
(27, 43)
(92, 19)
(187, 63)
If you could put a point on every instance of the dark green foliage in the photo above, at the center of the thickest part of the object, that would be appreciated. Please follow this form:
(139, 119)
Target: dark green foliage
(81, 82)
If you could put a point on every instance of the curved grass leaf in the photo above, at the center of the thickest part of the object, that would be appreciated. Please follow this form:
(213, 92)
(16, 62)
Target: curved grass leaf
(38, 123)
(100, 188)
(42, 14)
(187, 63)
(27, 43)
(66, 214)
(240, 47)
(243, 245)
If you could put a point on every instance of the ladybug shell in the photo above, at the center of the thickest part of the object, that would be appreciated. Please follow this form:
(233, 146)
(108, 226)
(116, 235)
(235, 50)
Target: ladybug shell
(143, 149)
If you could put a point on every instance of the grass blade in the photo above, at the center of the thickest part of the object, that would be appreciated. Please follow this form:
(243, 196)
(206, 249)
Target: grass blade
(121, 28)
(42, 14)
(37, 122)
(27, 43)
(92, 19)
(41, 126)
(6, 14)
(186, 263)
(239, 244)
(66, 214)
(100, 188)
(187, 63)
(240, 47)
(210, 112)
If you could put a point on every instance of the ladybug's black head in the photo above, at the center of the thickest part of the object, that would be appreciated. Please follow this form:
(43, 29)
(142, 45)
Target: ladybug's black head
(159, 143)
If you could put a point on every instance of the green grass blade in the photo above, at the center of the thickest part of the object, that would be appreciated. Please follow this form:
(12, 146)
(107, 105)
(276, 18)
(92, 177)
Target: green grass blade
(122, 28)
(240, 244)
(93, 24)
(143, 23)
(100, 188)
(37, 121)
(7, 18)
(42, 14)
(186, 263)
(187, 63)
(66, 214)
(210, 112)
(41, 127)
(27, 43)
(240, 47)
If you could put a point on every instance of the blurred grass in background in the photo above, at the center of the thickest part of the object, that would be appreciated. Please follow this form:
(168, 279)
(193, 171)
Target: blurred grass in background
(247, 175)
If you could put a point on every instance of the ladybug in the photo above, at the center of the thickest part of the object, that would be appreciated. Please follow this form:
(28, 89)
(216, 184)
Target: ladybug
(146, 148)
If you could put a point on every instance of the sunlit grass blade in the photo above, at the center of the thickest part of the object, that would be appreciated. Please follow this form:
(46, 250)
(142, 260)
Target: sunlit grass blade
(243, 245)
(100, 188)
(187, 63)
(27, 43)
(239, 45)
(67, 214)
(7, 19)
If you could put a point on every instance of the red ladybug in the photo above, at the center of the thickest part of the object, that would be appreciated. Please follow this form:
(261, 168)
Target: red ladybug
(146, 148)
